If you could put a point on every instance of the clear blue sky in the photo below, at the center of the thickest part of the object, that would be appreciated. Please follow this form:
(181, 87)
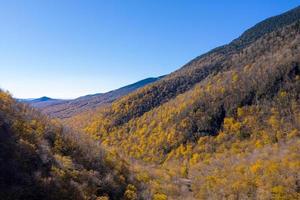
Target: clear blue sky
(69, 48)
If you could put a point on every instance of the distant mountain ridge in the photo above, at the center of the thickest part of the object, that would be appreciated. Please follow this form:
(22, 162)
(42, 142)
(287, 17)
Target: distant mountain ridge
(59, 108)
(36, 100)
(42, 99)
(42, 102)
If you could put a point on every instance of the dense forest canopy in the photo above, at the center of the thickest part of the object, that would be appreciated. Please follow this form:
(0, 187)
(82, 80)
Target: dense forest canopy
(190, 129)
(41, 159)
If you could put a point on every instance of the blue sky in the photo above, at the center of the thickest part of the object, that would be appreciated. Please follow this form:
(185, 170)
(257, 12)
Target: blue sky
(69, 48)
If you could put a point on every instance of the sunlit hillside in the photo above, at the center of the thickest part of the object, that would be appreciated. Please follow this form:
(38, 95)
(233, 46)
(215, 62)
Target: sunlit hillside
(226, 125)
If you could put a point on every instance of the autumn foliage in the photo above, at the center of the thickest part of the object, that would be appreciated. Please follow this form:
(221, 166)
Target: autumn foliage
(232, 135)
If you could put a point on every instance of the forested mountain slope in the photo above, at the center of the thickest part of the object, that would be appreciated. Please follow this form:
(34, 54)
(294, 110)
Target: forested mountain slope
(40, 159)
(225, 126)
(149, 97)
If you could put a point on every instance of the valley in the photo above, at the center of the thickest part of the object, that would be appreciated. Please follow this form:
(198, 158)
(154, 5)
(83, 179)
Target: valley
(226, 125)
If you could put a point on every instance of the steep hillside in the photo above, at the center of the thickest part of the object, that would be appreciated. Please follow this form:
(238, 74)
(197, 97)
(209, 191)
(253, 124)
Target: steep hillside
(62, 109)
(215, 61)
(41, 159)
(219, 127)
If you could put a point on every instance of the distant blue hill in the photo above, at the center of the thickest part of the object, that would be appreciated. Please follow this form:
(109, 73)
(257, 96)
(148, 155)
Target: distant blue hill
(60, 108)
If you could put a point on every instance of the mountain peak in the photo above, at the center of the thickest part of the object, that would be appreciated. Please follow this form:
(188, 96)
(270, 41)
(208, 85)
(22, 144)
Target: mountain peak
(44, 98)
